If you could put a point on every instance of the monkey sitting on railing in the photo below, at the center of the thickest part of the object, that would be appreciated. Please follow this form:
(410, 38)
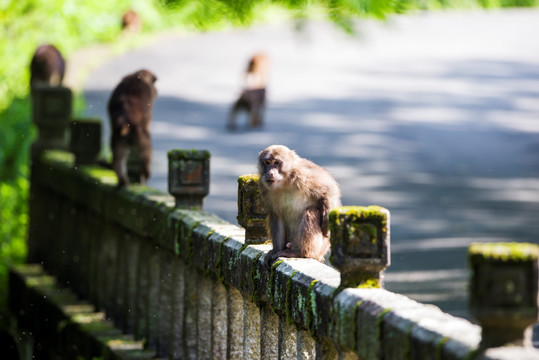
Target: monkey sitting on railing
(298, 195)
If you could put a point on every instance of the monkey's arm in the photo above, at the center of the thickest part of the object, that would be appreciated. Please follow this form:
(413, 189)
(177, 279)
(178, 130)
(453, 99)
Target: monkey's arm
(277, 231)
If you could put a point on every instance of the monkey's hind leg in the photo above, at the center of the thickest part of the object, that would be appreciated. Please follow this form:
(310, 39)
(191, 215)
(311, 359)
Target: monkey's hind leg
(120, 152)
(313, 244)
(145, 151)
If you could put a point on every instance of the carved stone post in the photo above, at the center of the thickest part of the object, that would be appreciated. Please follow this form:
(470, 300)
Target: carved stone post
(85, 140)
(503, 290)
(360, 244)
(189, 177)
(251, 210)
(51, 114)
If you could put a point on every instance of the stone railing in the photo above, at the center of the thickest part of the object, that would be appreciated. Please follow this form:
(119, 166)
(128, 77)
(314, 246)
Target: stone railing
(187, 284)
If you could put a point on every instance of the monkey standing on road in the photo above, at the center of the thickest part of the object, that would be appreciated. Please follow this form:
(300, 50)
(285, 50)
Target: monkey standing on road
(299, 196)
(130, 111)
(253, 97)
(47, 66)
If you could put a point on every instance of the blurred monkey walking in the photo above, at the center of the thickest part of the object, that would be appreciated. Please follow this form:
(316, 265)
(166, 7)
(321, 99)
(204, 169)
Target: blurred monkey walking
(130, 111)
(253, 97)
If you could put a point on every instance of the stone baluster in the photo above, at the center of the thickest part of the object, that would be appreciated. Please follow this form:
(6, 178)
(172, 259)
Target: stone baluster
(360, 247)
(503, 290)
(189, 177)
(85, 140)
(251, 210)
(51, 114)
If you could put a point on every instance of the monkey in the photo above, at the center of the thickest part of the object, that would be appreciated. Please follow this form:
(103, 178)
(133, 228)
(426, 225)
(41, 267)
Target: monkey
(130, 112)
(298, 195)
(131, 22)
(47, 66)
(253, 97)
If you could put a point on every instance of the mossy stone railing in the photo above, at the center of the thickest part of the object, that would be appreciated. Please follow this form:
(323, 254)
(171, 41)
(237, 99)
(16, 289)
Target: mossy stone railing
(188, 284)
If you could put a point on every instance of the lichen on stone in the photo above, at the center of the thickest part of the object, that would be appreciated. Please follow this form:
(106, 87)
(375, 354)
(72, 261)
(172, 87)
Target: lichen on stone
(191, 154)
(244, 179)
(503, 251)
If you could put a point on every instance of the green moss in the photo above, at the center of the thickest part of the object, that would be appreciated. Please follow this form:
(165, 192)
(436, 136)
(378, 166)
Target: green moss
(358, 214)
(87, 318)
(504, 252)
(208, 269)
(58, 156)
(272, 279)
(45, 280)
(369, 284)
(219, 265)
(439, 347)
(472, 354)
(124, 344)
(255, 279)
(288, 299)
(190, 242)
(99, 173)
(29, 269)
(191, 154)
(379, 322)
(310, 307)
(245, 179)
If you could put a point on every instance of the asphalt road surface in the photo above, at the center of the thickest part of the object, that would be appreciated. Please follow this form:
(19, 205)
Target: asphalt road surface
(434, 116)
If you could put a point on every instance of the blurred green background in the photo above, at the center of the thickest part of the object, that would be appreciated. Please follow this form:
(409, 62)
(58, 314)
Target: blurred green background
(75, 24)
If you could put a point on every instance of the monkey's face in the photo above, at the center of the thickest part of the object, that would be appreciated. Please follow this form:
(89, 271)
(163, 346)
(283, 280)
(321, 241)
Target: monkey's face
(273, 165)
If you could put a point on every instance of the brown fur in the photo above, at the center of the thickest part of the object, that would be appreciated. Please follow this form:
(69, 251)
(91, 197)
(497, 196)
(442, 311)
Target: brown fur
(47, 66)
(299, 196)
(131, 22)
(130, 111)
(253, 97)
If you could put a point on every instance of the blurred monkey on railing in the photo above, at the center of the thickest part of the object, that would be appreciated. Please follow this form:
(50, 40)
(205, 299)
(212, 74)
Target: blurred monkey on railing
(47, 66)
(130, 111)
(253, 97)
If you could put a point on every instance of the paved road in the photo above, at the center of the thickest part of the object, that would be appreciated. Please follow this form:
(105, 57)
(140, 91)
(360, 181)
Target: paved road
(434, 116)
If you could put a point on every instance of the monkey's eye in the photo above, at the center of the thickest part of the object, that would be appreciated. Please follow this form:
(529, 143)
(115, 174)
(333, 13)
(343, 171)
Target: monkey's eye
(267, 162)
(277, 162)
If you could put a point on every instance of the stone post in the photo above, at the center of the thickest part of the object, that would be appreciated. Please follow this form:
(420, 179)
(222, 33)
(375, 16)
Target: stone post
(51, 114)
(251, 210)
(503, 290)
(85, 140)
(360, 244)
(189, 177)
